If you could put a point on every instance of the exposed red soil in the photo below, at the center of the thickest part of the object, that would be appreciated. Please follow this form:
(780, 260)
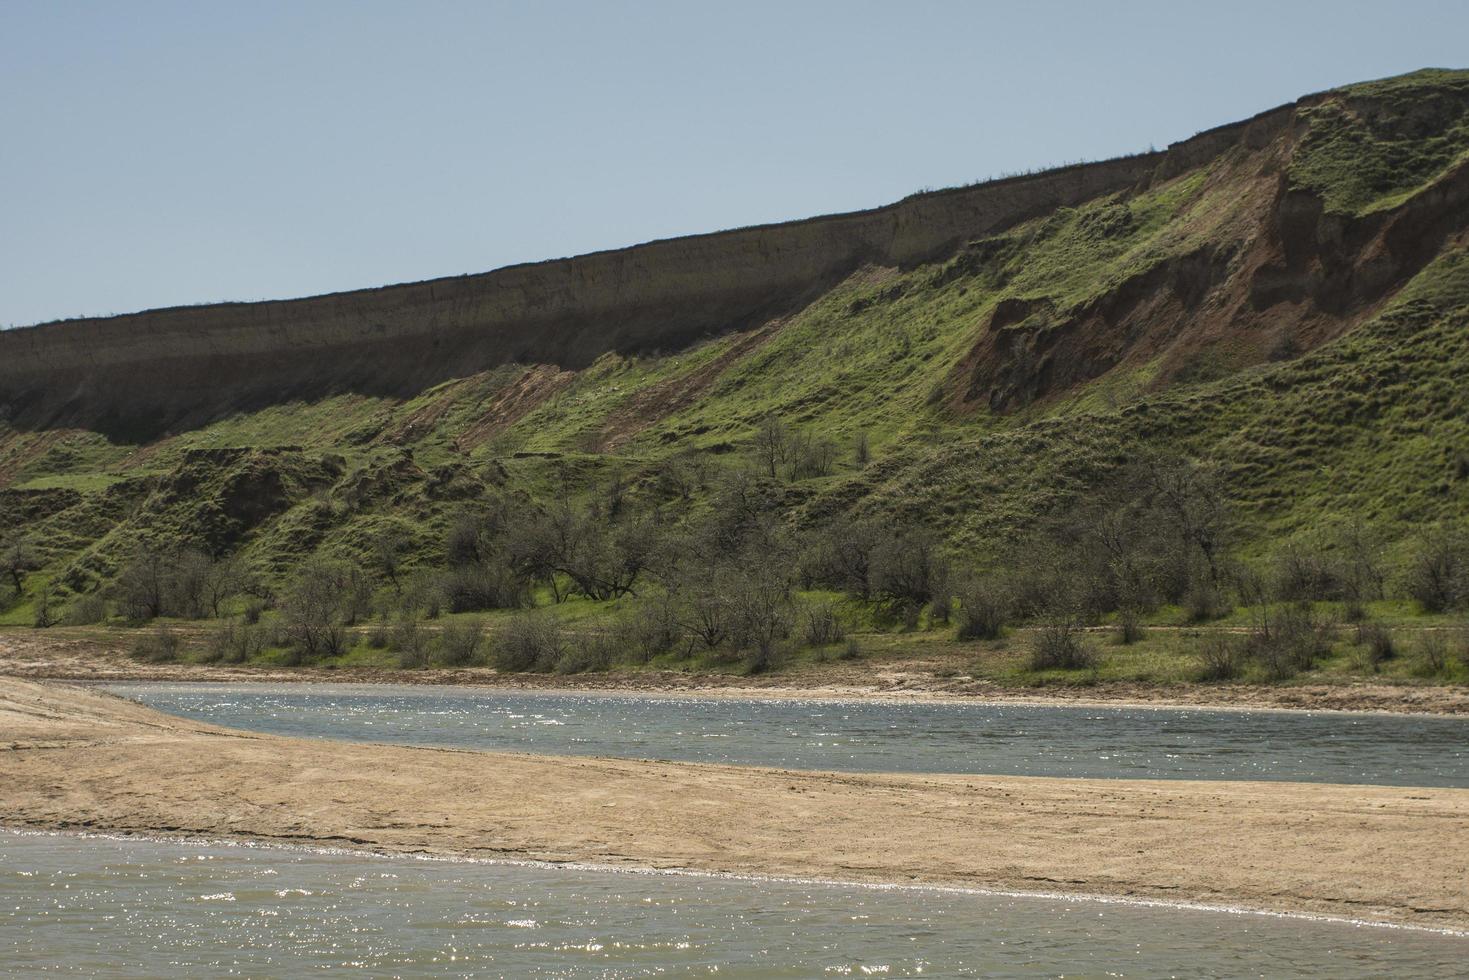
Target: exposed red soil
(661, 400)
(515, 401)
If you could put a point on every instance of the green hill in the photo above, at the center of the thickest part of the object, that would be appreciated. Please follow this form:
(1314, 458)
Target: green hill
(1284, 300)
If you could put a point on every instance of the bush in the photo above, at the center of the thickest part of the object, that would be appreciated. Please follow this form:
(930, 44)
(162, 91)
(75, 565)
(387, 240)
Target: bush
(821, 625)
(461, 644)
(984, 607)
(1205, 601)
(1293, 644)
(529, 642)
(411, 643)
(1060, 646)
(87, 610)
(940, 610)
(234, 643)
(156, 647)
(253, 610)
(850, 650)
(1129, 626)
(906, 571)
(763, 657)
(44, 606)
(378, 637)
(586, 651)
(1222, 658)
(651, 631)
(317, 608)
(1304, 573)
(480, 586)
(1438, 572)
(1376, 643)
(1433, 653)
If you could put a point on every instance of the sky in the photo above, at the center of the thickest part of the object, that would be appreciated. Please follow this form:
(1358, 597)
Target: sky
(155, 154)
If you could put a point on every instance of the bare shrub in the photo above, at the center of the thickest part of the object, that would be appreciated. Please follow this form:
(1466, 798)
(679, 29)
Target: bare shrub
(412, 643)
(1359, 570)
(316, 609)
(1438, 571)
(529, 642)
(821, 624)
(1205, 600)
(1375, 644)
(810, 456)
(461, 644)
(44, 606)
(87, 610)
(1433, 653)
(16, 559)
(1129, 625)
(157, 646)
(186, 581)
(1304, 573)
(839, 555)
(984, 608)
(142, 583)
(483, 585)
(906, 570)
(591, 651)
(941, 609)
(234, 643)
(378, 637)
(651, 630)
(1060, 645)
(1222, 658)
(1293, 643)
(771, 446)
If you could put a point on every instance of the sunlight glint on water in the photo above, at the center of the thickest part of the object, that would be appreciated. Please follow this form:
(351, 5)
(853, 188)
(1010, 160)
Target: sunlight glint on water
(128, 908)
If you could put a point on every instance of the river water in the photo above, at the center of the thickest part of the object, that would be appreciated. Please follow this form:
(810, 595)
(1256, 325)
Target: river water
(1181, 743)
(93, 906)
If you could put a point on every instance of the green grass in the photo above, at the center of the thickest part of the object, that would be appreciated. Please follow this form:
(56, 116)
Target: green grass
(1369, 147)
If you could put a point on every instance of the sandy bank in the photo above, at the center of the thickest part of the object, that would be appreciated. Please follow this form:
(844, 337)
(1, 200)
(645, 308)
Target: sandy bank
(84, 655)
(78, 759)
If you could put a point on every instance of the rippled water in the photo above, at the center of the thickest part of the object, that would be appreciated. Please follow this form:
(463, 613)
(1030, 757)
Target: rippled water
(856, 736)
(134, 908)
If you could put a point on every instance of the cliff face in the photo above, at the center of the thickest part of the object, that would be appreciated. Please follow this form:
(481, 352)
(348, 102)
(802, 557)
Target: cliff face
(139, 375)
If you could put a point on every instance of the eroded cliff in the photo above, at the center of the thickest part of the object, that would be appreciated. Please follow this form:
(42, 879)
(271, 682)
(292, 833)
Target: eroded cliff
(142, 374)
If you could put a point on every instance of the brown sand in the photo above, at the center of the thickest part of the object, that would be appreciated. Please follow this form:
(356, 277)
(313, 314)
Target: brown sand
(71, 758)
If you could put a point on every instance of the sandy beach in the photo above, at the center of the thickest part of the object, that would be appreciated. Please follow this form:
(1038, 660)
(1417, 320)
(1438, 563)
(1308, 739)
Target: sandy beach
(78, 759)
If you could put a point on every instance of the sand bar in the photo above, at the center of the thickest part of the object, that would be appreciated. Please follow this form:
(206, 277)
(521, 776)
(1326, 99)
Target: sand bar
(73, 758)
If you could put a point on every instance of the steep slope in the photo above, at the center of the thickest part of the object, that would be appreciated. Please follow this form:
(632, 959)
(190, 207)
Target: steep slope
(1287, 295)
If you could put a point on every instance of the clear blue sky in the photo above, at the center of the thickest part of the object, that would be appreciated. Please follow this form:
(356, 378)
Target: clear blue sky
(161, 153)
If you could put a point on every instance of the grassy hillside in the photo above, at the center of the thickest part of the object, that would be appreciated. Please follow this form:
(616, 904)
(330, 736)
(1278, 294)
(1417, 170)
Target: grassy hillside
(1294, 314)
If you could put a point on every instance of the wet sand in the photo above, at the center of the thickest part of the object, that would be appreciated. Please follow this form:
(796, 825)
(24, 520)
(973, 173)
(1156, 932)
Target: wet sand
(73, 758)
(83, 655)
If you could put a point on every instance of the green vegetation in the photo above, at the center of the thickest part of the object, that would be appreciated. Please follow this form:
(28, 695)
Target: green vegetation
(1370, 146)
(994, 453)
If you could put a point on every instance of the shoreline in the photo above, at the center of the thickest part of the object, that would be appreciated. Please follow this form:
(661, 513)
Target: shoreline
(84, 659)
(80, 760)
(814, 694)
